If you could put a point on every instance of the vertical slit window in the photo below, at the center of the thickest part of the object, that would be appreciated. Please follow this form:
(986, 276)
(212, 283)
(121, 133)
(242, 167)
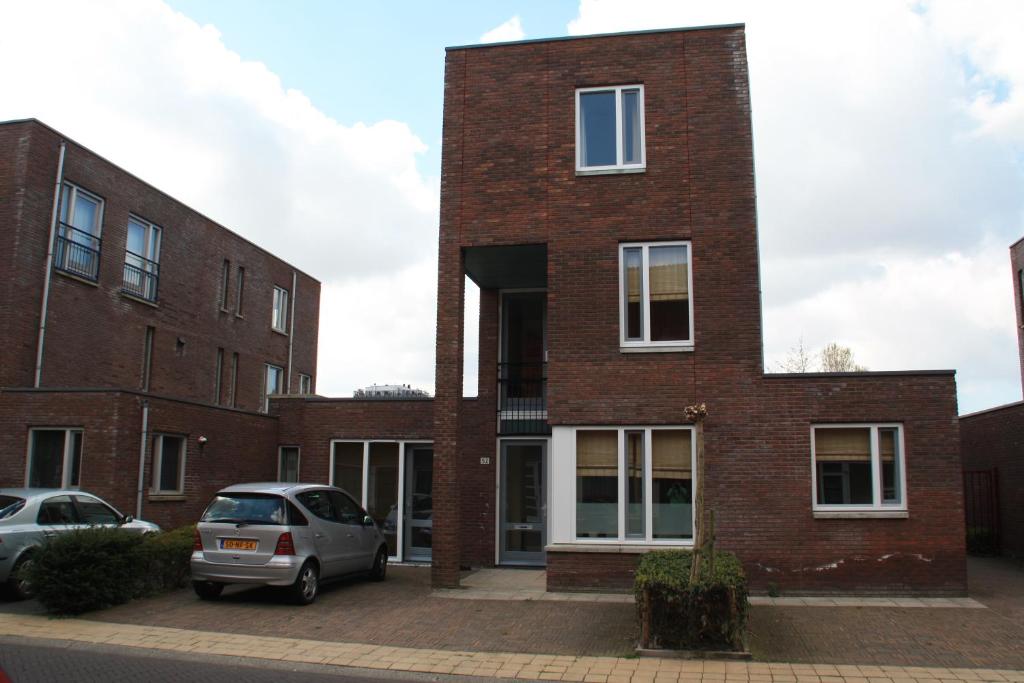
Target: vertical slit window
(234, 380)
(218, 376)
(147, 357)
(635, 457)
(225, 280)
(240, 291)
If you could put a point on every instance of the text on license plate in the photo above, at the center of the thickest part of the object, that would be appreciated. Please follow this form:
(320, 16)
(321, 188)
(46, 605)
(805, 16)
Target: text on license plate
(237, 544)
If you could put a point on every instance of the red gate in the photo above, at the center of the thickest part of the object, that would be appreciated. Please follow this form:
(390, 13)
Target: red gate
(981, 511)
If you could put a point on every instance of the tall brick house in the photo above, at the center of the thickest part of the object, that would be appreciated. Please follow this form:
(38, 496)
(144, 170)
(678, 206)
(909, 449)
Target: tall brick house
(133, 326)
(992, 442)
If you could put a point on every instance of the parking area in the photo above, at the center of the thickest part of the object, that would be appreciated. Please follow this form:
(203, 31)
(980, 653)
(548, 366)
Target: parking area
(403, 612)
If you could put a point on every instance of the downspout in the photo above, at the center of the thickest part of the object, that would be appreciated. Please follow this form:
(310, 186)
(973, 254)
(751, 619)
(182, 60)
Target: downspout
(49, 266)
(142, 459)
(291, 332)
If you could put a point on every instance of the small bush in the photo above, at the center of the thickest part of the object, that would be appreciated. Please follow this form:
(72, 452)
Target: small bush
(711, 615)
(96, 568)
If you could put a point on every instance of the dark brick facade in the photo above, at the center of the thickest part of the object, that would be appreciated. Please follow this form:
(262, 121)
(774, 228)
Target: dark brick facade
(509, 178)
(93, 359)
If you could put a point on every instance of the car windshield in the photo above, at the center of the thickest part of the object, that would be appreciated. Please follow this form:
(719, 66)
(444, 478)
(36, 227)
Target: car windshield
(9, 505)
(246, 508)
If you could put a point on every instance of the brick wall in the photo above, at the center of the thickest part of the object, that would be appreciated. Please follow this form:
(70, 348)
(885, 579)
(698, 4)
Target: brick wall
(995, 438)
(95, 335)
(241, 446)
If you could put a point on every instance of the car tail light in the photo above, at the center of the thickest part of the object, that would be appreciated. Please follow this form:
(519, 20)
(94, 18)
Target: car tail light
(197, 542)
(285, 546)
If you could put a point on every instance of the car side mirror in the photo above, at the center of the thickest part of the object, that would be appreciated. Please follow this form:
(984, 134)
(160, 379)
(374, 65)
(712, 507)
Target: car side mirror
(127, 519)
(367, 520)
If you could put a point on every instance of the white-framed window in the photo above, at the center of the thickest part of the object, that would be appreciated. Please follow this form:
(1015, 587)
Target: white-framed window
(273, 383)
(858, 468)
(279, 315)
(655, 302)
(305, 384)
(288, 463)
(610, 134)
(634, 484)
(142, 259)
(168, 464)
(77, 243)
(54, 457)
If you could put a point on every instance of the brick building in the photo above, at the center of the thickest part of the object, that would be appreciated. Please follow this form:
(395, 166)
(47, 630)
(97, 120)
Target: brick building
(145, 316)
(993, 441)
(600, 191)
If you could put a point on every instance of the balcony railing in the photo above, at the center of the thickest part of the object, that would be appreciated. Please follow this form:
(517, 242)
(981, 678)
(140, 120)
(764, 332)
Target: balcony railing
(522, 398)
(77, 252)
(141, 276)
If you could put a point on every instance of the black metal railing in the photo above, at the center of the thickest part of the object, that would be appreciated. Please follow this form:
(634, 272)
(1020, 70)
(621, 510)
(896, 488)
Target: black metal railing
(76, 252)
(141, 276)
(522, 398)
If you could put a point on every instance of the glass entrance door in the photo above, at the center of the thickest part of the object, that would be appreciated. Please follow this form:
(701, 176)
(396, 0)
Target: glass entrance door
(523, 502)
(419, 503)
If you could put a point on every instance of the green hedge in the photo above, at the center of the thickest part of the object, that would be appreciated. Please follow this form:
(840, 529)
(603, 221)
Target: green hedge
(96, 568)
(711, 615)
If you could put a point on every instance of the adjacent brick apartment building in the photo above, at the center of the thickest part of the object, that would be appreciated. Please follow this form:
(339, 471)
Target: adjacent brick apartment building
(993, 441)
(143, 328)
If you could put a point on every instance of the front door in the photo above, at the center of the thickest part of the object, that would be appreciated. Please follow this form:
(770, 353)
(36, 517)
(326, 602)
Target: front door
(419, 503)
(523, 502)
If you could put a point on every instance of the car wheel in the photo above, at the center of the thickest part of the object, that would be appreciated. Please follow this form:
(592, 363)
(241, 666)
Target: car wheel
(306, 585)
(207, 590)
(380, 565)
(18, 585)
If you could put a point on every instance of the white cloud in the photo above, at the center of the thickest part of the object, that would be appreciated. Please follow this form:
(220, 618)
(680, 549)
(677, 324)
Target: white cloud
(510, 30)
(165, 98)
(888, 146)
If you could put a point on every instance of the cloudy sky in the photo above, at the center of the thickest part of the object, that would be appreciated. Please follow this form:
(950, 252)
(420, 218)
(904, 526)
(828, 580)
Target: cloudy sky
(889, 144)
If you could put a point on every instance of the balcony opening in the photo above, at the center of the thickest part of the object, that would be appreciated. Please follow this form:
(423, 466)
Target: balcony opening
(522, 369)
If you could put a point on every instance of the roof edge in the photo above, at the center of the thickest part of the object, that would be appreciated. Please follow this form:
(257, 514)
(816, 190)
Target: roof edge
(556, 39)
(858, 375)
(130, 392)
(1005, 406)
(65, 138)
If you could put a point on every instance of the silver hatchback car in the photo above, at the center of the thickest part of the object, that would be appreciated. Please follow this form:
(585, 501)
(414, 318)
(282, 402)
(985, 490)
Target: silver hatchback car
(291, 535)
(30, 516)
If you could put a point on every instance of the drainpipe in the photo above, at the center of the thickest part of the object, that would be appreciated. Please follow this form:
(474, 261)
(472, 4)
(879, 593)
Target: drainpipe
(49, 265)
(142, 459)
(291, 332)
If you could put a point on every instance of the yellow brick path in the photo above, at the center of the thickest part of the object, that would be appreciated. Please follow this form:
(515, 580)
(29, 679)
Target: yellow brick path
(486, 664)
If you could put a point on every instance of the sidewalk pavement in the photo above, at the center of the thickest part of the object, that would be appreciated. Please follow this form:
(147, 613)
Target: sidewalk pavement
(498, 665)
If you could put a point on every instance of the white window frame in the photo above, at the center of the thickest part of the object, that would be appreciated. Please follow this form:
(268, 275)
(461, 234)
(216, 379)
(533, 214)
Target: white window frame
(619, 166)
(305, 383)
(279, 310)
(152, 242)
(267, 367)
(66, 216)
(158, 454)
(65, 471)
(878, 507)
(648, 538)
(645, 344)
(403, 446)
(298, 461)
(67, 213)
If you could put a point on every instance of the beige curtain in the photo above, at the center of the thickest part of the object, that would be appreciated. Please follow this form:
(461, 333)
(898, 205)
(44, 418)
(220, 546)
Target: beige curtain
(670, 454)
(668, 282)
(842, 444)
(597, 453)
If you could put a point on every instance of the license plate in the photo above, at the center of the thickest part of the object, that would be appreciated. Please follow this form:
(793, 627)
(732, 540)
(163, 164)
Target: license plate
(237, 544)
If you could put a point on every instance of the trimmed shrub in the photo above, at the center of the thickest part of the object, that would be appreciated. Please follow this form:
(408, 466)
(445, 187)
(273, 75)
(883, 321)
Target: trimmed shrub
(91, 569)
(711, 615)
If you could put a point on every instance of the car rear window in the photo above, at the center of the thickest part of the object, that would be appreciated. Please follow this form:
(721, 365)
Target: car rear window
(247, 508)
(9, 505)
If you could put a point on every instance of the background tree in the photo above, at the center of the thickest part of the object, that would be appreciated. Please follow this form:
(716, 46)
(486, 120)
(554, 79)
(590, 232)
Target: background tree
(836, 358)
(798, 360)
(833, 358)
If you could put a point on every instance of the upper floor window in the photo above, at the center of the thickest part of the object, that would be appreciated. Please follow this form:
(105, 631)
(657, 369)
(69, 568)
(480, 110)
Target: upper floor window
(858, 467)
(142, 259)
(279, 317)
(225, 275)
(305, 384)
(76, 248)
(610, 129)
(273, 384)
(656, 309)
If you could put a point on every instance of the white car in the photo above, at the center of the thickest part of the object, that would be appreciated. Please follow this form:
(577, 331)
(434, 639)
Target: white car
(29, 516)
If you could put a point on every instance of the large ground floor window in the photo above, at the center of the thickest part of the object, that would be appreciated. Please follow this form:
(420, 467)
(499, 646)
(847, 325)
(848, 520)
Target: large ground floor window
(858, 467)
(392, 481)
(54, 458)
(633, 484)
